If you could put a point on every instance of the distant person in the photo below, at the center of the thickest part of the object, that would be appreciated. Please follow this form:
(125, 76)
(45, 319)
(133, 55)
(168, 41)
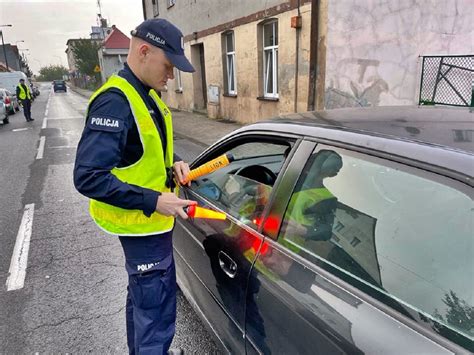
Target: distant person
(125, 165)
(24, 94)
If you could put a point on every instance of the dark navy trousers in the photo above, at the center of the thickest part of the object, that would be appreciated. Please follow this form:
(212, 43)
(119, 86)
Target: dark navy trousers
(151, 296)
(26, 108)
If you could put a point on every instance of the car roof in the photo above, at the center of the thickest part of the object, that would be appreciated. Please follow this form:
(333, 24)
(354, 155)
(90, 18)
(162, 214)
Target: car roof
(445, 135)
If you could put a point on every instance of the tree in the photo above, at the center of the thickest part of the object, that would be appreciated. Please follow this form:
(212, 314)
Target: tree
(459, 313)
(25, 67)
(85, 55)
(52, 72)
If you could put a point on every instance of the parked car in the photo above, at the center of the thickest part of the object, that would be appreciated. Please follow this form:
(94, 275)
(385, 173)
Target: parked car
(346, 231)
(10, 100)
(59, 85)
(10, 80)
(3, 112)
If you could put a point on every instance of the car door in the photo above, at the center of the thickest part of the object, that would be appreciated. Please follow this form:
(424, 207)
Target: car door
(370, 256)
(214, 257)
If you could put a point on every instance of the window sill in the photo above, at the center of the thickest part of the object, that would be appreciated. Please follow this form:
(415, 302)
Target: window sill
(230, 95)
(264, 98)
(178, 91)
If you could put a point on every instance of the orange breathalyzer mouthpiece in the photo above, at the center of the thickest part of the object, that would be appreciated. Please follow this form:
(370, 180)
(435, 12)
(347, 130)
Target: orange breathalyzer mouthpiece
(210, 166)
(195, 211)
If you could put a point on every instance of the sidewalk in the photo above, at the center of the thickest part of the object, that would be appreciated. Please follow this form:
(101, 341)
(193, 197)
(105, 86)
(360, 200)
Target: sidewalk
(195, 127)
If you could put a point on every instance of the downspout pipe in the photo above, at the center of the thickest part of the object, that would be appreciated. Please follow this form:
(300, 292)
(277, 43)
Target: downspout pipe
(313, 54)
(144, 9)
(297, 60)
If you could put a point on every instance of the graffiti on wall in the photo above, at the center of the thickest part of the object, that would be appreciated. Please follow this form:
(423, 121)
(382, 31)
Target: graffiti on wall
(356, 83)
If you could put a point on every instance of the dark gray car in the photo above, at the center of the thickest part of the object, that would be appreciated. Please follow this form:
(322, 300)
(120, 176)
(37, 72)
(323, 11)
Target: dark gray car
(59, 85)
(347, 231)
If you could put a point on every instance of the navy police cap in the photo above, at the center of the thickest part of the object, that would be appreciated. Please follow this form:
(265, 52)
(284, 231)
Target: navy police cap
(163, 34)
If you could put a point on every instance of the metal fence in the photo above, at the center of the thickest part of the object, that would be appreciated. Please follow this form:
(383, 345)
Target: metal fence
(447, 80)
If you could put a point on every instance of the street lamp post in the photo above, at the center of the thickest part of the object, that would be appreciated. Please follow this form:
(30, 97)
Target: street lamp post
(3, 45)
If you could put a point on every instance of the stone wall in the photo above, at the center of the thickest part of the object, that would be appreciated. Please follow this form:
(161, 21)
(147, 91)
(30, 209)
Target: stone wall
(374, 47)
(246, 107)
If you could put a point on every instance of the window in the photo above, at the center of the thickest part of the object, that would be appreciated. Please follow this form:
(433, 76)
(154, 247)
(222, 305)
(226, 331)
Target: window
(179, 85)
(243, 187)
(156, 10)
(229, 63)
(404, 233)
(170, 3)
(270, 59)
(462, 135)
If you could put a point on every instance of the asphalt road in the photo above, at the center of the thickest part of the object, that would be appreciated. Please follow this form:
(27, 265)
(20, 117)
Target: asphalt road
(73, 296)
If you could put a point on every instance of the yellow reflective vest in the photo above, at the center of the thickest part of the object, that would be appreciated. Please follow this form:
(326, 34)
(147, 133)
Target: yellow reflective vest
(24, 94)
(148, 172)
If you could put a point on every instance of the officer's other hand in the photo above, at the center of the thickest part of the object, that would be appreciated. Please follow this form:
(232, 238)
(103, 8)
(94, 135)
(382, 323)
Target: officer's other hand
(170, 205)
(181, 171)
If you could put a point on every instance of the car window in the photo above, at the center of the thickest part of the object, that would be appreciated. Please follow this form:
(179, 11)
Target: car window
(400, 231)
(243, 187)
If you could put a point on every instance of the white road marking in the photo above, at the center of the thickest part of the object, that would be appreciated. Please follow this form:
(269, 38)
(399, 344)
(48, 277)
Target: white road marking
(17, 271)
(46, 112)
(45, 122)
(41, 148)
(19, 129)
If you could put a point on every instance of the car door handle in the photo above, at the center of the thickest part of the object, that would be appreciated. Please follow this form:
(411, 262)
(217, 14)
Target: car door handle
(227, 264)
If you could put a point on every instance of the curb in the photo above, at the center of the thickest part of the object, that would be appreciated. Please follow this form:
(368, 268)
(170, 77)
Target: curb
(80, 92)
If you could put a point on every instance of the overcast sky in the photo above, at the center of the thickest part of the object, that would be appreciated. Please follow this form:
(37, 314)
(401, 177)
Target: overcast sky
(46, 25)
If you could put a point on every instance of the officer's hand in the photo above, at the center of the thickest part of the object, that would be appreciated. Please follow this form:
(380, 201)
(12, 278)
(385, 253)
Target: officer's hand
(170, 205)
(181, 171)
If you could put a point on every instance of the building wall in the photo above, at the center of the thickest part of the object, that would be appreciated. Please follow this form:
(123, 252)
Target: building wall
(373, 47)
(110, 63)
(71, 61)
(148, 8)
(246, 107)
(197, 15)
(12, 57)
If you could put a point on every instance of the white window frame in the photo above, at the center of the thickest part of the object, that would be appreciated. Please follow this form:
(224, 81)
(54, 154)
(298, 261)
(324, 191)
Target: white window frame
(273, 93)
(156, 10)
(179, 83)
(230, 56)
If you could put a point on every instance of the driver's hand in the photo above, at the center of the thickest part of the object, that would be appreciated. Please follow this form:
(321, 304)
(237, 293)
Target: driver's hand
(169, 204)
(181, 172)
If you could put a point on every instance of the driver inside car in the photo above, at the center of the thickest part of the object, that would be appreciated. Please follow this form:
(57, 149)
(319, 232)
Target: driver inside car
(311, 211)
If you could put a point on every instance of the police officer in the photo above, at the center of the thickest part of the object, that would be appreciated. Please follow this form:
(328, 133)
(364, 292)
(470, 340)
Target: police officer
(24, 94)
(123, 165)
